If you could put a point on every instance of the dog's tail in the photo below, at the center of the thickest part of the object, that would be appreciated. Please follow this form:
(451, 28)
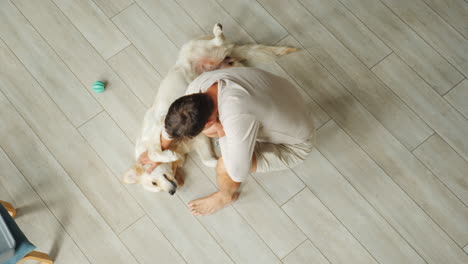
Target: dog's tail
(255, 54)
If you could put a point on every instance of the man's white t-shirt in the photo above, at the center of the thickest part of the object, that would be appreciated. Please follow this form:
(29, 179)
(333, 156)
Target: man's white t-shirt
(254, 105)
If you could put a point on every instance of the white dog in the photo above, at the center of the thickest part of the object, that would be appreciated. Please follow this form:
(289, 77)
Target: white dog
(195, 57)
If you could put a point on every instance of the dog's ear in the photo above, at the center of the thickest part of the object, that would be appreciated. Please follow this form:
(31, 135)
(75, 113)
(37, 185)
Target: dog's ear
(131, 176)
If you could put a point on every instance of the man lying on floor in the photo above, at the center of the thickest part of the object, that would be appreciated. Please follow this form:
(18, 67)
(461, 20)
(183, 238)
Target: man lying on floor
(262, 122)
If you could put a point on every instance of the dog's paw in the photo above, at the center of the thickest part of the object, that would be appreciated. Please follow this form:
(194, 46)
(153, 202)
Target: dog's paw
(217, 29)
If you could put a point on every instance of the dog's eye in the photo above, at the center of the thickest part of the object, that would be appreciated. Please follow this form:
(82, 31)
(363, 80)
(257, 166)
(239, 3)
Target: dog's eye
(155, 183)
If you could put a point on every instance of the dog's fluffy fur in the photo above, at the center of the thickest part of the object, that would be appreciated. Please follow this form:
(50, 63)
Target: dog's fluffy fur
(195, 57)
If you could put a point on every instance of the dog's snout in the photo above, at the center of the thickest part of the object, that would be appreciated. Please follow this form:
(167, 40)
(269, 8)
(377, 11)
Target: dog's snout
(171, 192)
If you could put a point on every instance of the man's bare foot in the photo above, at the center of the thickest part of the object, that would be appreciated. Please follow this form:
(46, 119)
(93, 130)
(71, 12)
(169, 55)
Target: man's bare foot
(210, 204)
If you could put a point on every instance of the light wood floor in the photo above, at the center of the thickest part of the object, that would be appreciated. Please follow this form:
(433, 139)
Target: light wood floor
(386, 79)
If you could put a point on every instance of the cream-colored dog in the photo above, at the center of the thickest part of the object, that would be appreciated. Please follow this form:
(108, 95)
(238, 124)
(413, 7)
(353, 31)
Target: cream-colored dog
(195, 57)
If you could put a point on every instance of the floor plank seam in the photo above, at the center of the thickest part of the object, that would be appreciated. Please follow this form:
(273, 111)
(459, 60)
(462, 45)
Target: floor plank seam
(131, 224)
(294, 195)
(305, 240)
(118, 13)
(420, 144)
(90, 119)
(444, 94)
(381, 60)
(276, 43)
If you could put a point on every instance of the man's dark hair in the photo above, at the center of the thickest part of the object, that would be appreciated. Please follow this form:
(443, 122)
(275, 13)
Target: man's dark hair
(188, 115)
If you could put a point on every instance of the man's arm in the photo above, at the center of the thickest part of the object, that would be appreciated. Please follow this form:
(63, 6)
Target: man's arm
(238, 145)
(165, 143)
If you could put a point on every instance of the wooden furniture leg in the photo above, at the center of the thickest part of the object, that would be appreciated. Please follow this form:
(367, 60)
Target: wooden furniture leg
(11, 210)
(43, 258)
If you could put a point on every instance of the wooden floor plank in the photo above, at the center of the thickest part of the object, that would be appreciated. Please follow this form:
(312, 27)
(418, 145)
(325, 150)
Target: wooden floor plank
(34, 218)
(263, 215)
(430, 26)
(327, 233)
(349, 30)
(359, 217)
(85, 62)
(226, 226)
(147, 38)
(305, 253)
(353, 74)
(254, 19)
(95, 26)
(66, 144)
(444, 162)
(63, 197)
(59, 82)
(457, 97)
(455, 12)
(398, 209)
(163, 12)
(137, 73)
(397, 161)
(148, 244)
(440, 75)
(439, 114)
(208, 12)
(113, 7)
(169, 214)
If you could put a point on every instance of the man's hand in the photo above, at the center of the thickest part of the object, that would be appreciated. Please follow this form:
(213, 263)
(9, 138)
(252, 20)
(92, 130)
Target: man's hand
(144, 160)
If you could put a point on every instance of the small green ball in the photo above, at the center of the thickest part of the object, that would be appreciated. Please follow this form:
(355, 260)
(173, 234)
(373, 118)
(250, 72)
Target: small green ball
(98, 87)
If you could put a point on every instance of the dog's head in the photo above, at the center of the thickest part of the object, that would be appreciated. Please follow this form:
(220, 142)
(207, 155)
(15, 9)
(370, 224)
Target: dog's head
(161, 179)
